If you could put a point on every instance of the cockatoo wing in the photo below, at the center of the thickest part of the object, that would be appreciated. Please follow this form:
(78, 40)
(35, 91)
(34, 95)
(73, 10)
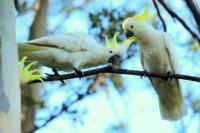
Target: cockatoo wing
(171, 101)
(63, 52)
(142, 59)
(70, 42)
(175, 100)
(169, 46)
(30, 48)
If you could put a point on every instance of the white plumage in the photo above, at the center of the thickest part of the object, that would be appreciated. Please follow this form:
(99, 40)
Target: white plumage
(69, 51)
(157, 55)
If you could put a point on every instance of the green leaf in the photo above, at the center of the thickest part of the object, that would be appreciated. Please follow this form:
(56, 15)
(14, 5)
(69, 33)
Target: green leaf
(26, 74)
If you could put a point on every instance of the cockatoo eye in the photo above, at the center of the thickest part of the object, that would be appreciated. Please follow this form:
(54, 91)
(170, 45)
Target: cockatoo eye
(132, 26)
(110, 51)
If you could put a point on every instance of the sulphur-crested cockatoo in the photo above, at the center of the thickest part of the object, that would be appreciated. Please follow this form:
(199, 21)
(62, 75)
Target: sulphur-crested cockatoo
(157, 55)
(71, 51)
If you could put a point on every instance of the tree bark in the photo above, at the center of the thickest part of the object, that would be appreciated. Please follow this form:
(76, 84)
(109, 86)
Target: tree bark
(30, 93)
(39, 26)
(9, 80)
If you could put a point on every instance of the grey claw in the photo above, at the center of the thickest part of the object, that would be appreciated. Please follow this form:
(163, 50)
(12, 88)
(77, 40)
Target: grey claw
(144, 74)
(79, 73)
(55, 74)
(169, 73)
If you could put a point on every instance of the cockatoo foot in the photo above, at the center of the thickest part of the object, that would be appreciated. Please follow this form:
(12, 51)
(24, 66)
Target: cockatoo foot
(56, 74)
(79, 73)
(169, 73)
(144, 74)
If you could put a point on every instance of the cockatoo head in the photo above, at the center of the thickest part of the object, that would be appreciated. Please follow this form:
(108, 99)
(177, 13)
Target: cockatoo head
(116, 54)
(137, 26)
(116, 51)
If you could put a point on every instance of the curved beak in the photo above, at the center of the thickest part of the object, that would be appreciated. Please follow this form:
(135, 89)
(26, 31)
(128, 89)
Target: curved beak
(128, 33)
(115, 59)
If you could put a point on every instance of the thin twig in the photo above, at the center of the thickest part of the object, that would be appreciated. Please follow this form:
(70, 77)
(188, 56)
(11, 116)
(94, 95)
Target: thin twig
(195, 11)
(51, 118)
(113, 70)
(65, 108)
(174, 15)
(159, 15)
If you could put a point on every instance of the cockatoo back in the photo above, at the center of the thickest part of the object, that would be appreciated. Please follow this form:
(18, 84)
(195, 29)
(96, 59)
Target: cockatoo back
(72, 41)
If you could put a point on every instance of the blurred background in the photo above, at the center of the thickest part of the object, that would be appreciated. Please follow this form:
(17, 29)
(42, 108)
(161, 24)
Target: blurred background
(106, 103)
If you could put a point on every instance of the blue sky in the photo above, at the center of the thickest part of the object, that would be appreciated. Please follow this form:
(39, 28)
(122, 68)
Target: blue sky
(138, 107)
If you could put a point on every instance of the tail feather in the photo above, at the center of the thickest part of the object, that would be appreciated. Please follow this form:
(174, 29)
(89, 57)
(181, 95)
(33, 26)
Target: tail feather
(176, 112)
(25, 49)
(171, 101)
(29, 48)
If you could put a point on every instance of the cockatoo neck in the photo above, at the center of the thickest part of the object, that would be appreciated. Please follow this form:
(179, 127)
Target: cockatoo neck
(103, 55)
(149, 36)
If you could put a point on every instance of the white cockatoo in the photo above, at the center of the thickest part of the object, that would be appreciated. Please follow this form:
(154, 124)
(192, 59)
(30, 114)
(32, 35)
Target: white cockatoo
(71, 51)
(157, 55)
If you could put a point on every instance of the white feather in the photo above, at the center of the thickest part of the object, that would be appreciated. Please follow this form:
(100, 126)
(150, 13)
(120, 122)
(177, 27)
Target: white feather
(69, 51)
(158, 55)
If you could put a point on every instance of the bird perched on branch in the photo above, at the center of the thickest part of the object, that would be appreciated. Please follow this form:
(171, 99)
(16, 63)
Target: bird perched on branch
(157, 55)
(72, 51)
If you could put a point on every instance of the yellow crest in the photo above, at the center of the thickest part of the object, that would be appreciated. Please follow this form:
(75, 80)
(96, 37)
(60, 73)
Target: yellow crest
(114, 43)
(143, 16)
(129, 41)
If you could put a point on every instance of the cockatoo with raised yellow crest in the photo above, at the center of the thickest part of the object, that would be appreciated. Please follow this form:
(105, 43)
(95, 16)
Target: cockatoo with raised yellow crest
(157, 55)
(72, 51)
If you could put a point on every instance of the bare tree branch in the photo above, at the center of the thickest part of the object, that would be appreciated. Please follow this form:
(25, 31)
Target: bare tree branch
(65, 108)
(174, 15)
(20, 7)
(51, 118)
(159, 15)
(39, 26)
(113, 70)
(195, 11)
(17, 5)
(106, 69)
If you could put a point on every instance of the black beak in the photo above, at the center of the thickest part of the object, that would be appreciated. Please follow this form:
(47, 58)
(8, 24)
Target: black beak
(129, 33)
(114, 59)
